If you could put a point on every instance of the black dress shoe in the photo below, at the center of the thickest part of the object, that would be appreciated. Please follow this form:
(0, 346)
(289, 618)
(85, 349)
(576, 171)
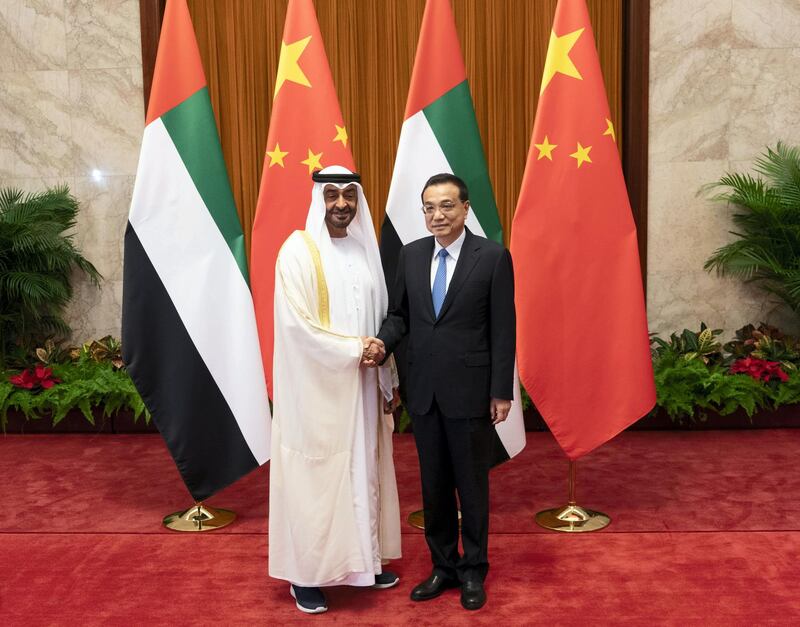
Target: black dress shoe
(432, 587)
(473, 596)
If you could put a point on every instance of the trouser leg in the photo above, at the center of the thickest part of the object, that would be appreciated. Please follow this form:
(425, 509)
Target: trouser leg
(470, 444)
(438, 492)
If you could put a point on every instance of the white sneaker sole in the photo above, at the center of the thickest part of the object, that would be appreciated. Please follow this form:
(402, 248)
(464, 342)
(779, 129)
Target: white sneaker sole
(307, 610)
(384, 586)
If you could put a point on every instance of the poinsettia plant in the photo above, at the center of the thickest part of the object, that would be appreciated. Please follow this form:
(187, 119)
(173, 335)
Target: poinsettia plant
(35, 379)
(759, 369)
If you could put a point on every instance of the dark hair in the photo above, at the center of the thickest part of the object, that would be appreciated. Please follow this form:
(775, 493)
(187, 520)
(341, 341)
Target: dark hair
(443, 179)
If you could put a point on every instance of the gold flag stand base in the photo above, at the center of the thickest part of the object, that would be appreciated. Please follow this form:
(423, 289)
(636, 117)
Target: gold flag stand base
(199, 518)
(572, 518)
(417, 519)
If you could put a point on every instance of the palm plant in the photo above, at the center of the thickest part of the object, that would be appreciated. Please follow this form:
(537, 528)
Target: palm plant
(37, 257)
(767, 220)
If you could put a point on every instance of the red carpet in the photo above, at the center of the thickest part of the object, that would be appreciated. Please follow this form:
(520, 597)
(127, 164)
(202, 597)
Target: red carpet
(704, 531)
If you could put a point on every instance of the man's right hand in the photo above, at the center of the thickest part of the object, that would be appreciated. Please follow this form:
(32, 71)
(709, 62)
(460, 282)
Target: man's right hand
(374, 352)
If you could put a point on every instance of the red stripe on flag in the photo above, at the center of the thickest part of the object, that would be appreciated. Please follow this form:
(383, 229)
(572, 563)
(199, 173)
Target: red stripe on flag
(438, 40)
(178, 72)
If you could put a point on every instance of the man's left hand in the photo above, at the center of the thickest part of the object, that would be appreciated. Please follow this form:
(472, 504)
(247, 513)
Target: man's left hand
(498, 410)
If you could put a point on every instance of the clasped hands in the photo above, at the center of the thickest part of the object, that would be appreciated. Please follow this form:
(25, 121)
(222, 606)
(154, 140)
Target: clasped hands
(374, 352)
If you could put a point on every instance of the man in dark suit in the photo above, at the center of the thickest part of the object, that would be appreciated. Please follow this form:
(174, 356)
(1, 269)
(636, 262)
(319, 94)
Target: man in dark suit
(454, 297)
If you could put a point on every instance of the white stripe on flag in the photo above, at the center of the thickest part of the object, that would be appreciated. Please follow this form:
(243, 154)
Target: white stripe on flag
(419, 157)
(512, 429)
(203, 281)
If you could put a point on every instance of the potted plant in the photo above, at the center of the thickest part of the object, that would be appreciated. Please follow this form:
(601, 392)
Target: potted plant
(766, 215)
(37, 259)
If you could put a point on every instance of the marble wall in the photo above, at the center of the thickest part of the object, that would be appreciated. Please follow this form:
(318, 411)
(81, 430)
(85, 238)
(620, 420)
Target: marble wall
(724, 83)
(71, 111)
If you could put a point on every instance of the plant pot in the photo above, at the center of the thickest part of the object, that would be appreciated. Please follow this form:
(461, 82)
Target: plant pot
(73, 422)
(786, 416)
(123, 423)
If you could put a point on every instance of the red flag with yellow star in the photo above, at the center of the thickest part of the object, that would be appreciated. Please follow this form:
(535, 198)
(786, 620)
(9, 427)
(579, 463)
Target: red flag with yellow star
(582, 342)
(306, 133)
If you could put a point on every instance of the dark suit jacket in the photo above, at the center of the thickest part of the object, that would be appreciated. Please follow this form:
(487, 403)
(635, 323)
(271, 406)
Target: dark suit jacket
(466, 355)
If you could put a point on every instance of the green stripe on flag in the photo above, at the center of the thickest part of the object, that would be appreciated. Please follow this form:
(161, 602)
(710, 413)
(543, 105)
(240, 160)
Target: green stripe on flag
(452, 118)
(193, 130)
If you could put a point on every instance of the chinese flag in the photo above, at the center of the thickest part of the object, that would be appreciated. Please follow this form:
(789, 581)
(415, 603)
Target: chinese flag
(306, 133)
(582, 342)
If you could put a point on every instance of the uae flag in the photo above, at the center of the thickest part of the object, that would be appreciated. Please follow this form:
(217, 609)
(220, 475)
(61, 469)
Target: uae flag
(188, 326)
(582, 342)
(440, 134)
(306, 133)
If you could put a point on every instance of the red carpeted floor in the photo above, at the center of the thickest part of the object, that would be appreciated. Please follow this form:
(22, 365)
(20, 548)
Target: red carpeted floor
(705, 531)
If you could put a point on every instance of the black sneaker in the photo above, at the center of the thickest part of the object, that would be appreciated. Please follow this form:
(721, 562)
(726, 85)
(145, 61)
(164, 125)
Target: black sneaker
(308, 600)
(386, 579)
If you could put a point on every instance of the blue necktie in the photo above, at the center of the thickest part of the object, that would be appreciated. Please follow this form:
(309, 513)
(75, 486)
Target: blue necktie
(440, 283)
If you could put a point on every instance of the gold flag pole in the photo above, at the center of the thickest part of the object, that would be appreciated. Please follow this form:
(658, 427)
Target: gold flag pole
(572, 518)
(199, 517)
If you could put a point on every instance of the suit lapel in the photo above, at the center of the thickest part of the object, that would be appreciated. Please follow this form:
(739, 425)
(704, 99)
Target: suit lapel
(470, 252)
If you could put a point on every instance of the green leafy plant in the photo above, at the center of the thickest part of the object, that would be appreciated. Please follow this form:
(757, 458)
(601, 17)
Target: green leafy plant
(767, 221)
(89, 378)
(689, 345)
(51, 353)
(37, 259)
(107, 349)
(694, 374)
(765, 342)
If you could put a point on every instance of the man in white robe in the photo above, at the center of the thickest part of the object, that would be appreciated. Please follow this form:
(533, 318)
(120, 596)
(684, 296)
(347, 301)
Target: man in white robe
(334, 515)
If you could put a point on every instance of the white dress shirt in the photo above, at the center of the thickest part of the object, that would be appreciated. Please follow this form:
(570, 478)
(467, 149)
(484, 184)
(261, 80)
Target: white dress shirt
(453, 251)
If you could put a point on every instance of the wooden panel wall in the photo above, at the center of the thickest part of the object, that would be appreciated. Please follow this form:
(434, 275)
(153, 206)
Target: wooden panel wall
(370, 46)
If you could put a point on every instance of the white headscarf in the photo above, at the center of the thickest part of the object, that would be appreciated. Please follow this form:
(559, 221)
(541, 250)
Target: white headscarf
(361, 230)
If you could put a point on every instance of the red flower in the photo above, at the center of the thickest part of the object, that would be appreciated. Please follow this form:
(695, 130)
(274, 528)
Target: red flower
(759, 369)
(23, 380)
(38, 377)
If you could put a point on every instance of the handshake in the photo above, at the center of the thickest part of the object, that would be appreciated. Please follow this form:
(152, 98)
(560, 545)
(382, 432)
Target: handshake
(374, 352)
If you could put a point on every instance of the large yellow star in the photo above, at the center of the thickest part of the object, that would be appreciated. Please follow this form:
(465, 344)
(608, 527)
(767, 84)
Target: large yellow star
(341, 135)
(546, 149)
(276, 156)
(610, 130)
(558, 60)
(314, 161)
(288, 67)
(581, 154)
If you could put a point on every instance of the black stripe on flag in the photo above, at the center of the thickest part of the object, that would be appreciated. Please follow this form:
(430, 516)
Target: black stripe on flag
(188, 408)
(390, 251)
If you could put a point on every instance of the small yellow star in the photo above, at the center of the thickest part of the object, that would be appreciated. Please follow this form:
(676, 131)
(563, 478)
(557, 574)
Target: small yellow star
(610, 130)
(341, 135)
(276, 155)
(546, 149)
(288, 66)
(313, 161)
(557, 60)
(581, 154)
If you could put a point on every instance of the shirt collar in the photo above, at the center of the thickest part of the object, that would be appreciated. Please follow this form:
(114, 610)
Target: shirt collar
(453, 249)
